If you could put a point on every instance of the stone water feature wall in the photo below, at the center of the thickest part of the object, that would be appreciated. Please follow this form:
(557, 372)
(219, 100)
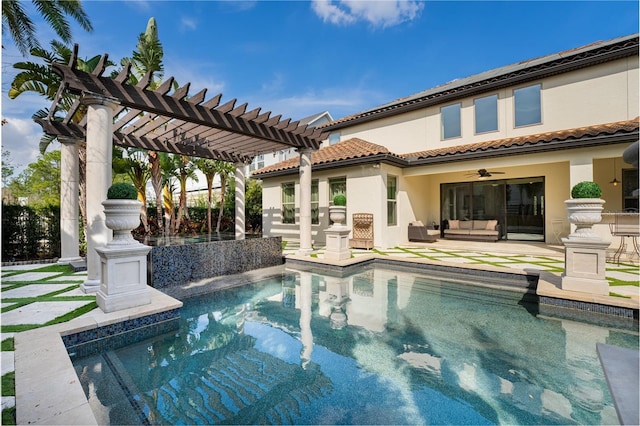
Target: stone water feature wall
(177, 265)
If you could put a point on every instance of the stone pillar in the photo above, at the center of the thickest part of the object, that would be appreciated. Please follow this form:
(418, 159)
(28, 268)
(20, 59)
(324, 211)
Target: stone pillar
(99, 151)
(240, 208)
(69, 199)
(584, 266)
(305, 202)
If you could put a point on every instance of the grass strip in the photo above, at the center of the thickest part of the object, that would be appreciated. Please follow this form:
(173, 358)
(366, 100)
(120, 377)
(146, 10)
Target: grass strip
(7, 345)
(9, 416)
(618, 282)
(63, 318)
(9, 384)
(64, 269)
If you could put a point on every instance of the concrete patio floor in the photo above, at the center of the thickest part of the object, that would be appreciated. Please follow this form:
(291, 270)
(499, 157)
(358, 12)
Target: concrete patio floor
(37, 295)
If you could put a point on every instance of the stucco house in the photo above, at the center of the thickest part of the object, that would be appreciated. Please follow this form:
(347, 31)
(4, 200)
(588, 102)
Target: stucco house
(506, 144)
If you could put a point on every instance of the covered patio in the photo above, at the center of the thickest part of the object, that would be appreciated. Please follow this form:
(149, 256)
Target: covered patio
(102, 111)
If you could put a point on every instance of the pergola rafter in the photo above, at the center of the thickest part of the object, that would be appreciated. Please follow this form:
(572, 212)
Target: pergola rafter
(174, 122)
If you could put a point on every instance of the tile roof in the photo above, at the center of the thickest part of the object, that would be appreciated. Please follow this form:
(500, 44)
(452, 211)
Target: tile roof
(529, 140)
(346, 150)
(355, 148)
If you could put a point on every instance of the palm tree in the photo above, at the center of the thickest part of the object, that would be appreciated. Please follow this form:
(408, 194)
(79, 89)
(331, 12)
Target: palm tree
(22, 28)
(185, 170)
(168, 170)
(139, 172)
(225, 170)
(148, 57)
(41, 79)
(208, 168)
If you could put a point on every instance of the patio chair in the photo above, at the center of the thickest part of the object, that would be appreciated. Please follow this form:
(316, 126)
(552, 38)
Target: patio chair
(420, 233)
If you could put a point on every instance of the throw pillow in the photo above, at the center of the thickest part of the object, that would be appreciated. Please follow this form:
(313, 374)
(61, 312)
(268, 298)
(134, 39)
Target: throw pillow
(454, 224)
(491, 225)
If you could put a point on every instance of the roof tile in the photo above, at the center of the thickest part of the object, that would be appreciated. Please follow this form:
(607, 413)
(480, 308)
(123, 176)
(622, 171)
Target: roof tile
(560, 135)
(345, 150)
(358, 148)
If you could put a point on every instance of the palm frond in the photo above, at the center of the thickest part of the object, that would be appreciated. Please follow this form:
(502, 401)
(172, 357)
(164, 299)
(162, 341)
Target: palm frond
(53, 14)
(21, 27)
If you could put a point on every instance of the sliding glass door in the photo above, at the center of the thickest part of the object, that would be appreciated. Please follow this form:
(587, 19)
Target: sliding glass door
(525, 209)
(517, 205)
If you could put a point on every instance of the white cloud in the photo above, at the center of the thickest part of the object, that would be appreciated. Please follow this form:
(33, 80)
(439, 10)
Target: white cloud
(21, 138)
(338, 101)
(188, 24)
(331, 13)
(379, 13)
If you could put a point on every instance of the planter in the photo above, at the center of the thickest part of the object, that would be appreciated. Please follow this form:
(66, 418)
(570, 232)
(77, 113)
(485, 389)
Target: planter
(338, 215)
(584, 213)
(122, 216)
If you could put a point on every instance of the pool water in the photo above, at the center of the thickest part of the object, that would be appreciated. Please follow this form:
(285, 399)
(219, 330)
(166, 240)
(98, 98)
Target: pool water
(379, 346)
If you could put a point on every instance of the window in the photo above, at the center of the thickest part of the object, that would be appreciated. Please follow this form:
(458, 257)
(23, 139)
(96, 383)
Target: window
(486, 110)
(527, 105)
(450, 121)
(288, 203)
(315, 205)
(334, 138)
(337, 186)
(630, 189)
(257, 163)
(392, 202)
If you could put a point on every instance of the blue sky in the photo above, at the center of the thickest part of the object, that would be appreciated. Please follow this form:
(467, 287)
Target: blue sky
(297, 58)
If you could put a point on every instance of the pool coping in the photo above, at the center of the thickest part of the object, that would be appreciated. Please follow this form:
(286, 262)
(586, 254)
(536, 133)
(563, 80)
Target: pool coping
(48, 390)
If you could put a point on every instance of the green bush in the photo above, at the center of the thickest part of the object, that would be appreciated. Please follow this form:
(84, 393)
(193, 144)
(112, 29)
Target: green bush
(586, 189)
(30, 234)
(340, 200)
(122, 191)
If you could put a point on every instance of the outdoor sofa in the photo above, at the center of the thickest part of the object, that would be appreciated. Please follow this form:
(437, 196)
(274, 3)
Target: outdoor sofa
(477, 230)
(420, 233)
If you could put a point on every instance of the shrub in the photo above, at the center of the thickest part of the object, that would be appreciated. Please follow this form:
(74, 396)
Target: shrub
(122, 191)
(586, 189)
(340, 200)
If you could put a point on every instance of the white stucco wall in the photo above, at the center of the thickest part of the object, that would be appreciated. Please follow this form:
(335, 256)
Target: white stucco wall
(600, 94)
(603, 93)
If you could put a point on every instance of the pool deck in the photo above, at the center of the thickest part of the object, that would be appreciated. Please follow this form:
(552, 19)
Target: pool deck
(49, 392)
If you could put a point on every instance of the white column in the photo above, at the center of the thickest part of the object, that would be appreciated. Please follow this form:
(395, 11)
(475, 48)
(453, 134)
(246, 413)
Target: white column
(69, 198)
(240, 213)
(580, 169)
(99, 151)
(305, 202)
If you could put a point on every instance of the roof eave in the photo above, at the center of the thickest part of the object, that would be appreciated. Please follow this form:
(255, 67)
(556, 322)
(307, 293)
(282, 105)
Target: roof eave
(534, 73)
(371, 159)
(539, 147)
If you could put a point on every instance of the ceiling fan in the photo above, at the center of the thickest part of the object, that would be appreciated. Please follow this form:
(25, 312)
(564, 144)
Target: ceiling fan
(484, 173)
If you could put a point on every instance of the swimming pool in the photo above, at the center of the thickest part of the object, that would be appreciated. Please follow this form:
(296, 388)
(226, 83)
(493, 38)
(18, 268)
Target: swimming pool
(380, 345)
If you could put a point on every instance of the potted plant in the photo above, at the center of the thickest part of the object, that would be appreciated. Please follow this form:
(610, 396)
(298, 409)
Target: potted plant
(122, 212)
(585, 208)
(338, 211)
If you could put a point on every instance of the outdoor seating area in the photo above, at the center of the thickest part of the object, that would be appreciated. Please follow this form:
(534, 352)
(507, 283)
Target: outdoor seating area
(478, 230)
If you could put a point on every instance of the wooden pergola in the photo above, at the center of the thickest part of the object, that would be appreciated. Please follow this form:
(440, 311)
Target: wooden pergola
(157, 120)
(174, 122)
